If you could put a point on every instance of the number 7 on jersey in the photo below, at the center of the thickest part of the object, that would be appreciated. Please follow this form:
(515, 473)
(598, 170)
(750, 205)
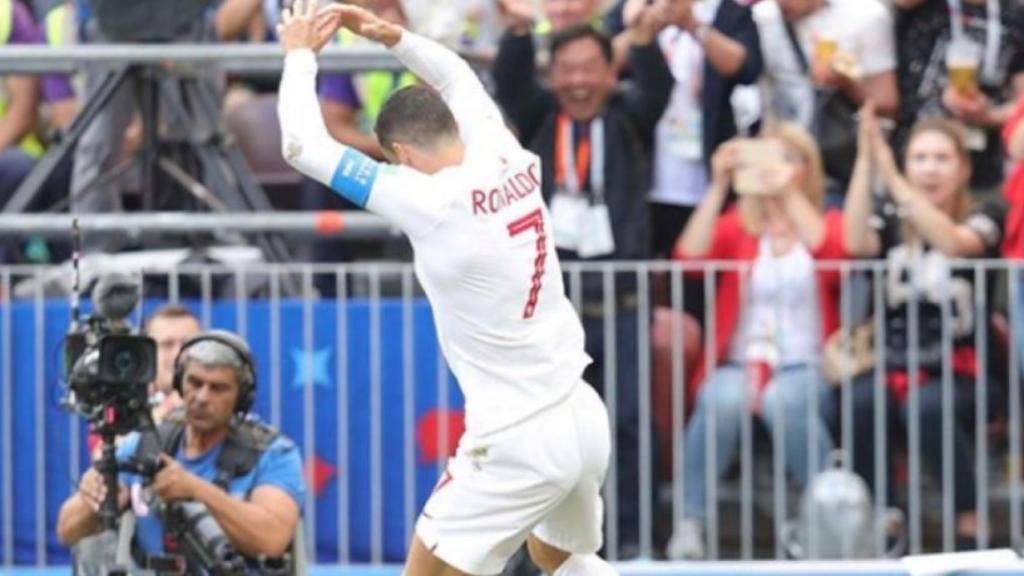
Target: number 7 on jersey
(532, 221)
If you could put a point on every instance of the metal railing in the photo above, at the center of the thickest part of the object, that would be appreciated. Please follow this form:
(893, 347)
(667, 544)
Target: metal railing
(230, 57)
(352, 372)
(226, 56)
(350, 224)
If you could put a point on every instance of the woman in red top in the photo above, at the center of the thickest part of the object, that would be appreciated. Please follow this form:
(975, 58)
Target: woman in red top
(927, 220)
(772, 313)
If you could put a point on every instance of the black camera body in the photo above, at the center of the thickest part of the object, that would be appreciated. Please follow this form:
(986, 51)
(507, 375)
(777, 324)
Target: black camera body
(109, 380)
(109, 369)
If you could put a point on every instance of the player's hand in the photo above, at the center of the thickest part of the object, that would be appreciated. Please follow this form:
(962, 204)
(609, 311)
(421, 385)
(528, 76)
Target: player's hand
(299, 29)
(360, 21)
(94, 490)
(173, 482)
(517, 14)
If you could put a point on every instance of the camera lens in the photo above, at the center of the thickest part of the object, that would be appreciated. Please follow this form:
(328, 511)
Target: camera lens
(125, 363)
(127, 360)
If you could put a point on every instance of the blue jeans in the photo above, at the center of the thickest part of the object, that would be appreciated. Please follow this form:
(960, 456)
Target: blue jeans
(930, 417)
(790, 393)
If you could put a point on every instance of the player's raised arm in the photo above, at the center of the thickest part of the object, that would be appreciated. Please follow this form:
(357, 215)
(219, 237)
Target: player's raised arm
(305, 141)
(442, 69)
(400, 194)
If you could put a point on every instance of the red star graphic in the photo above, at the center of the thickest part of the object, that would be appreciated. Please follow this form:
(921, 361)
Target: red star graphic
(318, 473)
(427, 433)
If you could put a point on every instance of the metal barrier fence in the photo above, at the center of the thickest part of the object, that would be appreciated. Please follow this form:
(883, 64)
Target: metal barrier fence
(350, 369)
(230, 57)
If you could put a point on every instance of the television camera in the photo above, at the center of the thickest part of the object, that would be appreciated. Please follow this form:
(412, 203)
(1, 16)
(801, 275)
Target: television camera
(109, 370)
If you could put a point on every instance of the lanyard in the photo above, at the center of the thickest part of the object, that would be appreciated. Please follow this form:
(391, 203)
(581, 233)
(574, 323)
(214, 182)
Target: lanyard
(691, 79)
(589, 154)
(993, 33)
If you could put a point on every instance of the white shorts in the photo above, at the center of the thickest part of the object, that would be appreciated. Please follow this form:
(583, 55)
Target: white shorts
(542, 475)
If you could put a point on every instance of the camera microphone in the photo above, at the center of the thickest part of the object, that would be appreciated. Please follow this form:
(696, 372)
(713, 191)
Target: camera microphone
(115, 296)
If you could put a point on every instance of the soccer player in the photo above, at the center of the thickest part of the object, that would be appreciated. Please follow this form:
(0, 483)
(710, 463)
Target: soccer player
(533, 458)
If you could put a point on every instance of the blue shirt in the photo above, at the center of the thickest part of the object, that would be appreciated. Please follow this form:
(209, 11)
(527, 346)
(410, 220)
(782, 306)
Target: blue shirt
(279, 466)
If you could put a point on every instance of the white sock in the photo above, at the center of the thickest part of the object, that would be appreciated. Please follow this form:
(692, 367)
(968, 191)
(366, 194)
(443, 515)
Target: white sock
(585, 565)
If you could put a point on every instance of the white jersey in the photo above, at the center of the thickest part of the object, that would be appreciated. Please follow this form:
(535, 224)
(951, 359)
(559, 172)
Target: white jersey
(481, 233)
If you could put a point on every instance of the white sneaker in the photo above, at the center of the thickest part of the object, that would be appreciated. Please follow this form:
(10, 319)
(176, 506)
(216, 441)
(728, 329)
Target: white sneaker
(687, 542)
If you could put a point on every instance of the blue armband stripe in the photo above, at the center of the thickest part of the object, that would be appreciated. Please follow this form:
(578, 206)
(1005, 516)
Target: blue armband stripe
(354, 177)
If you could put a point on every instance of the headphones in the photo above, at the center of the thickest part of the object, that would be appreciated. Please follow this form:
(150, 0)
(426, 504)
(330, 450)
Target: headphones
(247, 383)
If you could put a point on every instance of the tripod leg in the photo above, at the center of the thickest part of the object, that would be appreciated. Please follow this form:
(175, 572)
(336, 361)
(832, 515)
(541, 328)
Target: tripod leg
(249, 186)
(198, 134)
(149, 110)
(30, 187)
(86, 192)
(194, 187)
(223, 162)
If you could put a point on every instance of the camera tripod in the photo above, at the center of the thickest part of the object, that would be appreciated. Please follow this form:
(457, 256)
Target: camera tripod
(192, 108)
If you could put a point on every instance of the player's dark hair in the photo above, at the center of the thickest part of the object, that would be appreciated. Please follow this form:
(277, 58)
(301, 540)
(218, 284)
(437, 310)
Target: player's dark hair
(415, 115)
(584, 31)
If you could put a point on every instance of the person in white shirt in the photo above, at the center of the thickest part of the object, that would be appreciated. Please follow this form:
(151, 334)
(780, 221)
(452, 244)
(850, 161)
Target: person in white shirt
(861, 29)
(532, 461)
(823, 59)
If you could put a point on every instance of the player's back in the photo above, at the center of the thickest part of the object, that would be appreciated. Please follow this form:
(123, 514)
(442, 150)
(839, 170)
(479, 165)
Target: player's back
(491, 273)
(480, 231)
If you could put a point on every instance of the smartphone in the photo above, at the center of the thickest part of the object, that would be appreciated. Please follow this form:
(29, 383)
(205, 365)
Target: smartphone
(756, 157)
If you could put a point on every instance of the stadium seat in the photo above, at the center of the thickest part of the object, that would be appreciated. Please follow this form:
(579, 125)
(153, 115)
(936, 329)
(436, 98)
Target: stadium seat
(254, 124)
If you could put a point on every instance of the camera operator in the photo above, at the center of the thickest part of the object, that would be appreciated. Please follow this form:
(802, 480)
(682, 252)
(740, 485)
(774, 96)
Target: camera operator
(247, 475)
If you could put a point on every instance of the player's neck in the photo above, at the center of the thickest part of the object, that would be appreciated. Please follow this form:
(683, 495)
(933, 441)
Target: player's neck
(445, 157)
(453, 155)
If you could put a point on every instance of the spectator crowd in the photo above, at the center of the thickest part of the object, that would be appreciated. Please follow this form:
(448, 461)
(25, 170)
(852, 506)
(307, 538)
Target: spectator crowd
(771, 133)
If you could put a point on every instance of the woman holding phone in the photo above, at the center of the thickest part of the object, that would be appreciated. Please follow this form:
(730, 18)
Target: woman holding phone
(772, 310)
(926, 220)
